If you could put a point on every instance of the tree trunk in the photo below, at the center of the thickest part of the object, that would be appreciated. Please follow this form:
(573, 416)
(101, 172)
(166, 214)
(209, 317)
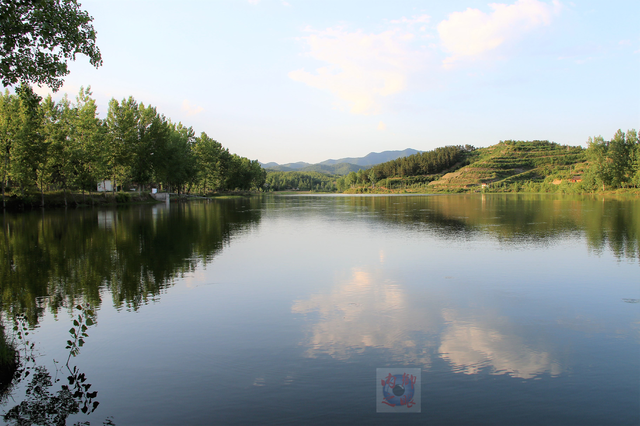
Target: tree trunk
(4, 180)
(74, 198)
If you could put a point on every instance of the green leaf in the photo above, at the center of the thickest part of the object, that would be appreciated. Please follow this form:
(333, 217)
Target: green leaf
(89, 322)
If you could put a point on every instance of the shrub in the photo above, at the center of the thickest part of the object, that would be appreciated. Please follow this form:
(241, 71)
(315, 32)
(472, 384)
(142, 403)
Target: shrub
(123, 197)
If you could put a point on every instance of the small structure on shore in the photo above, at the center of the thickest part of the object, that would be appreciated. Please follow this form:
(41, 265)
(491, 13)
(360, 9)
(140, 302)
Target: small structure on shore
(105, 186)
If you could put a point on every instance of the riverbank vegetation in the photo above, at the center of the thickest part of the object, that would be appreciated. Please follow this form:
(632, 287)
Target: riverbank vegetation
(64, 146)
(509, 166)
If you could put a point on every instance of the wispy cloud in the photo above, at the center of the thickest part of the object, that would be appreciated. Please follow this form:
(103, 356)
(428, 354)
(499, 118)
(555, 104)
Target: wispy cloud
(473, 34)
(191, 109)
(421, 20)
(362, 68)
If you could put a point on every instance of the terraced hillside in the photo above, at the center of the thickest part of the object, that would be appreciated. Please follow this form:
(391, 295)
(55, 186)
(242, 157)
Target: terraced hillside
(515, 161)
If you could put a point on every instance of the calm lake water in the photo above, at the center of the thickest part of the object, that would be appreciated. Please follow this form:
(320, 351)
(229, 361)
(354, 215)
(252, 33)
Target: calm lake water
(517, 309)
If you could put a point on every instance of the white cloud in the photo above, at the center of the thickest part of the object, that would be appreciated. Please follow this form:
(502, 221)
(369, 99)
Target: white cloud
(362, 68)
(191, 109)
(420, 19)
(473, 34)
(382, 126)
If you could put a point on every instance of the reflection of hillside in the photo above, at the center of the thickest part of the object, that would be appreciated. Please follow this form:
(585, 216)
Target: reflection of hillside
(487, 341)
(366, 311)
(134, 252)
(512, 219)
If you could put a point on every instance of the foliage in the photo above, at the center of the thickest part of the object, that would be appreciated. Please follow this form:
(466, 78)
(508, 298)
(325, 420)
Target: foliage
(303, 181)
(38, 37)
(614, 163)
(41, 406)
(47, 146)
(423, 163)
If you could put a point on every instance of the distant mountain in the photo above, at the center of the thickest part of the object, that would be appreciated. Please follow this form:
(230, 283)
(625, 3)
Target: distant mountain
(374, 158)
(342, 166)
(332, 169)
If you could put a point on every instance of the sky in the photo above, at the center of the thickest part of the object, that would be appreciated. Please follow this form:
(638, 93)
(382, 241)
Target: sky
(311, 80)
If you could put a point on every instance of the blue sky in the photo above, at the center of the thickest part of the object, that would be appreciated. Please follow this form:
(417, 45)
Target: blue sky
(309, 80)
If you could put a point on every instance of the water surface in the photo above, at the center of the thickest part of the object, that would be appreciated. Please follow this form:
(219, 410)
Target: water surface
(518, 309)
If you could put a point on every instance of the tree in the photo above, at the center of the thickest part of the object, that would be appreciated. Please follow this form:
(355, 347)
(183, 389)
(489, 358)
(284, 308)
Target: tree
(9, 129)
(208, 152)
(611, 163)
(38, 37)
(55, 129)
(28, 153)
(89, 139)
(122, 124)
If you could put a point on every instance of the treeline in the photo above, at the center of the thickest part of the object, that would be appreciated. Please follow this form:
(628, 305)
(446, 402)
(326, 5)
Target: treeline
(303, 181)
(64, 258)
(421, 164)
(614, 163)
(65, 146)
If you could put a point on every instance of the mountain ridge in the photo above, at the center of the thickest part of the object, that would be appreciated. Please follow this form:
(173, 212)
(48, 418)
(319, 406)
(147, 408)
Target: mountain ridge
(352, 163)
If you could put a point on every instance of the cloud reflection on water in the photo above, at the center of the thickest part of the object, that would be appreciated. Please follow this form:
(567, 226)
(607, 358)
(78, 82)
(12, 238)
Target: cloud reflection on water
(366, 310)
(489, 341)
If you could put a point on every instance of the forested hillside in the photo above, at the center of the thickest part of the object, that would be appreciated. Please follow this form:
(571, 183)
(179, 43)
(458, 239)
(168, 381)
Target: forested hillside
(534, 166)
(300, 181)
(65, 146)
(418, 169)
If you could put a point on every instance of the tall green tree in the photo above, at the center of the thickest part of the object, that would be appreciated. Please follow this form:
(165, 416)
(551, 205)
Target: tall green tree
(611, 163)
(208, 153)
(39, 37)
(57, 167)
(122, 138)
(9, 129)
(89, 136)
(28, 153)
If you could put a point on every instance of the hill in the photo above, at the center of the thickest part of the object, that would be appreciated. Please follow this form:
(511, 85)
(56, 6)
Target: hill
(373, 158)
(512, 162)
(508, 164)
(341, 166)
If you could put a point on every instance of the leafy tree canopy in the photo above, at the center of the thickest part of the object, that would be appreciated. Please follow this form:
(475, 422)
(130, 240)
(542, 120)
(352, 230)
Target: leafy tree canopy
(38, 37)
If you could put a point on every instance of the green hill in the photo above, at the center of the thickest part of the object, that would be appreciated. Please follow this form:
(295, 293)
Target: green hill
(515, 161)
(332, 169)
(508, 165)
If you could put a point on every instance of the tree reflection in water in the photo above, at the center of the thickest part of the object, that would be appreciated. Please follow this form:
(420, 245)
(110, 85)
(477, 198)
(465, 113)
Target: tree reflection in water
(41, 406)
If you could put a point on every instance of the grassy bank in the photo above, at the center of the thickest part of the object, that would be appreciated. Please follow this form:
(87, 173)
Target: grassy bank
(56, 199)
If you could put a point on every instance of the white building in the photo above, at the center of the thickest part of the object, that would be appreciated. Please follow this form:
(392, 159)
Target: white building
(105, 186)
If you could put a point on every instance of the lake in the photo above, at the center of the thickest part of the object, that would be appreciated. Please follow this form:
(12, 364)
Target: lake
(287, 310)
